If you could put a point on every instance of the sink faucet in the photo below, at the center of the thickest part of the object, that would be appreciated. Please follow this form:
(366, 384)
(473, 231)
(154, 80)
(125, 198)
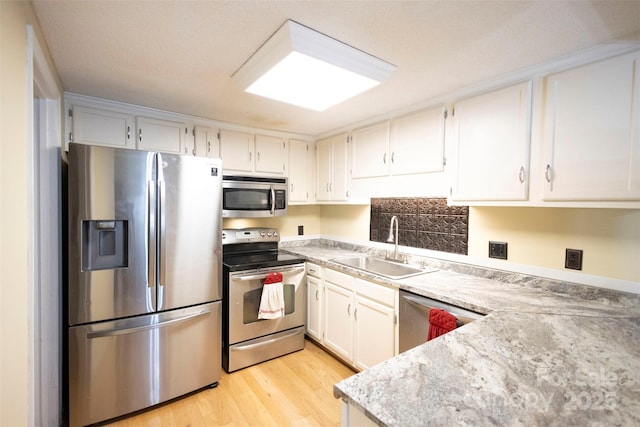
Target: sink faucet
(393, 239)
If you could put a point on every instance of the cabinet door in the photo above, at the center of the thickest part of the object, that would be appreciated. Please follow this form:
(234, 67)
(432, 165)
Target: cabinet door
(236, 150)
(271, 154)
(492, 145)
(324, 160)
(370, 149)
(206, 142)
(417, 142)
(332, 170)
(95, 126)
(338, 326)
(161, 135)
(374, 332)
(314, 307)
(298, 170)
(340, 169)
(592, 132)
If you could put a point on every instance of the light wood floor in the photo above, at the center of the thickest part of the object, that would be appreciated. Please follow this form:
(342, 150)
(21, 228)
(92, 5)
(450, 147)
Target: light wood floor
(292, 390)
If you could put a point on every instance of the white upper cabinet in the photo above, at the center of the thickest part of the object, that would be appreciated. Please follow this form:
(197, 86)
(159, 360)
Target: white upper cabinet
(300, 171)
(591, 132)
(162, 135)
(271, 154)
(206, 142)
(332, 172)
(371, 155)
(97, 126)
(236, 150)
(406, 145)
(417, 142)
(491, 146)
(246, 152)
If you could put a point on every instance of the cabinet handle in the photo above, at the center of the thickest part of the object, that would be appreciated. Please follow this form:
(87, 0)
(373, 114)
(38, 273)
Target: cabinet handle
(393, 157)
(317, 299)
(521, 175)
(355, 314)
(384, 158)
(249, 156)
(208, 146)
(258, 157)
(292, 187)
(128, 132)
(349, 309)
(547, 173)
(140, 135)
(330, 186)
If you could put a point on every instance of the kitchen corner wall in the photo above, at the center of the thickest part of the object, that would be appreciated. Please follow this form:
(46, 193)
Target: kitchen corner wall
(610, 238)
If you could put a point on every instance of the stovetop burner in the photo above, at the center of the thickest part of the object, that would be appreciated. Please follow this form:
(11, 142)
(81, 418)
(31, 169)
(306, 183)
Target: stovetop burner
(253, 248)
(250, 261)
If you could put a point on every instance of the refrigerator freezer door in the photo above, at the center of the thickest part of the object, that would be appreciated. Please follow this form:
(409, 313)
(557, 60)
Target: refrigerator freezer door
(122, 366)
(189, 231)
(111, 209)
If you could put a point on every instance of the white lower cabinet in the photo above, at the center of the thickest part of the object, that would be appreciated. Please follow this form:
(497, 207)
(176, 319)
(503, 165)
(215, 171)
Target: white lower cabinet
(374, 327)
(314, 301)
(359, 319)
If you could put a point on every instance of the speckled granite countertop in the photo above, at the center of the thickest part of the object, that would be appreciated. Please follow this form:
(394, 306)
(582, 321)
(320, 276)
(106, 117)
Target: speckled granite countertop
(548, 353)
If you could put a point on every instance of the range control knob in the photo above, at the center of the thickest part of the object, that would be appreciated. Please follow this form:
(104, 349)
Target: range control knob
(269, 233)
(262, 234)
(275, 234)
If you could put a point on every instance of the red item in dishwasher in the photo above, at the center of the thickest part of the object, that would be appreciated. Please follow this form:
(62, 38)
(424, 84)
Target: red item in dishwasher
(440, 322)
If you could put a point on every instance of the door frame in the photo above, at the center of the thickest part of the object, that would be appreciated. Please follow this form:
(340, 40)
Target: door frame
(44, 156)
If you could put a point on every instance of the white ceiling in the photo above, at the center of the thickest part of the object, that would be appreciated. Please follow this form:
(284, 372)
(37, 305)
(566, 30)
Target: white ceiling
(180, 55)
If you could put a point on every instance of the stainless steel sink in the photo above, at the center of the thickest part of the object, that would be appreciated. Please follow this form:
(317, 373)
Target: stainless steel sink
(381, 266)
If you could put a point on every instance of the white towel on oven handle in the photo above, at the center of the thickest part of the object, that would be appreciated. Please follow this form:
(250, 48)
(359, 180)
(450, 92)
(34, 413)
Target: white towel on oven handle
(272, 300)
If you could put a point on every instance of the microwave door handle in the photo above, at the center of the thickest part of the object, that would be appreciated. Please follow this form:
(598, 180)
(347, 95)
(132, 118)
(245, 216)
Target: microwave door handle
(273, 200)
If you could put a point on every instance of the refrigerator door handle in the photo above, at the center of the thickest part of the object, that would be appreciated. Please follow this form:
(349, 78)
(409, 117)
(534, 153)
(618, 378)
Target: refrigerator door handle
(124, 331)
(151, 234)
(162, 223)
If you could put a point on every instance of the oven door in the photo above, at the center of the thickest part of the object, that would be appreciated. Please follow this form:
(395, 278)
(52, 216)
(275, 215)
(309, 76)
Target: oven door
(245, 292)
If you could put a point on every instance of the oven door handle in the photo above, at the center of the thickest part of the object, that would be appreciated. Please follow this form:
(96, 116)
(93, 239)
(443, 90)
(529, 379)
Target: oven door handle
(264, 275)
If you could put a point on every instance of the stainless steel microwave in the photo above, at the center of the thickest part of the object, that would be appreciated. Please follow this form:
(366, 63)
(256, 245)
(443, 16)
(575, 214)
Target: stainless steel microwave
(253, 196)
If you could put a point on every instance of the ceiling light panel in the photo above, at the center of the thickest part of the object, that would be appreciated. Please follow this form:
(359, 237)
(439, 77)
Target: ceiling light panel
(303, 67)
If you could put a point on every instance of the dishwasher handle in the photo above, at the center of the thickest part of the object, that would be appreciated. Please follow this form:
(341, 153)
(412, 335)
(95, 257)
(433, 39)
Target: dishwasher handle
(428, 303)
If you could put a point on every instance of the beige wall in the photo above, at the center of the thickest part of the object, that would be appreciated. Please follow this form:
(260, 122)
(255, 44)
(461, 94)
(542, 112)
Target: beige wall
(15, 315)
(348, 221)
(307, 216)
(610, 238)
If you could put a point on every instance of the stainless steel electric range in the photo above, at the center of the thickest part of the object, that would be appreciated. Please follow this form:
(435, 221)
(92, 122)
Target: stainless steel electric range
(248, 255)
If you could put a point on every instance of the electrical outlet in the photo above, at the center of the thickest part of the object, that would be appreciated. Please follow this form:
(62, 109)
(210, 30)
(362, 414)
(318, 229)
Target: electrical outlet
(300, 230)
(498, 250)
(573, 259)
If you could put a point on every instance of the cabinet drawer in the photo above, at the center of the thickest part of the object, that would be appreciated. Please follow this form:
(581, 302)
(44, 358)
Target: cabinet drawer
(339, 278)
(314, 270)
(380, 293)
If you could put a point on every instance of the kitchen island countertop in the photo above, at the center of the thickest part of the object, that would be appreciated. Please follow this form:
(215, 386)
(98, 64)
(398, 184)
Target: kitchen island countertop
(545, 354)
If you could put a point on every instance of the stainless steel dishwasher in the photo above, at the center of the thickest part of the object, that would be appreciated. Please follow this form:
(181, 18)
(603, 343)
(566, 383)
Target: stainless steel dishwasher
(414, 318)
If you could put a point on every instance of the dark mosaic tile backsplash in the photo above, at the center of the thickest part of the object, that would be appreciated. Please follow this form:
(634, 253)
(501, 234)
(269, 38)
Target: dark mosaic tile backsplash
(426, 223)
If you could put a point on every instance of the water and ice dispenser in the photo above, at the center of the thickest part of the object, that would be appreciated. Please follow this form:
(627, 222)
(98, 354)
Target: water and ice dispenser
(104, 245)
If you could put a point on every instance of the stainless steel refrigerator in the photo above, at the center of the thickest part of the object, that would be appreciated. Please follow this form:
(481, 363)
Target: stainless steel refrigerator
(145, 279)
